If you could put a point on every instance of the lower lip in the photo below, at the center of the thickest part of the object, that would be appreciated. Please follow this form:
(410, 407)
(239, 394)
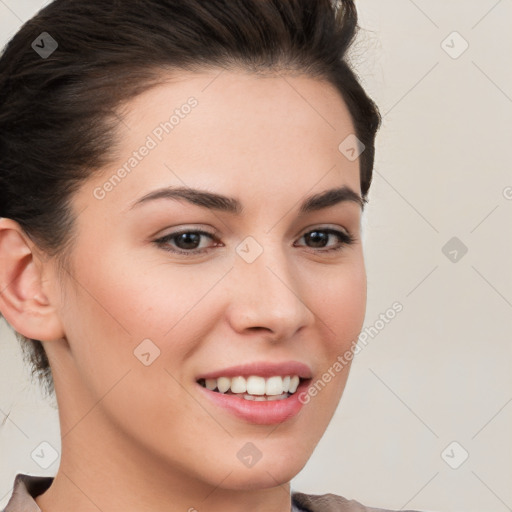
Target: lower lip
(260, 413)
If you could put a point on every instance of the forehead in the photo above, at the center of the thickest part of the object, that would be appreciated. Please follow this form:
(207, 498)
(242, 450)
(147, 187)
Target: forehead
(233, 132)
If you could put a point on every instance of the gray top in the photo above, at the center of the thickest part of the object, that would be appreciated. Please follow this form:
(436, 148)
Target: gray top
(27, 487)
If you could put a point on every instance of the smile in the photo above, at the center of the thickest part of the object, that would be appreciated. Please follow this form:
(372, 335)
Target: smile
(254, 405)
(254, 387)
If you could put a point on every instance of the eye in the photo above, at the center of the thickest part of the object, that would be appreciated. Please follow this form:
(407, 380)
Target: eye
(320, 238)
(188, 241)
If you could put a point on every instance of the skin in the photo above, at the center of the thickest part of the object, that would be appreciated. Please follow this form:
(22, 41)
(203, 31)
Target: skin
(143, 438)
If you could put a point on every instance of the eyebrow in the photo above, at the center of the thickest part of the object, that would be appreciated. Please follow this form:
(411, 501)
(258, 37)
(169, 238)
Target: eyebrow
(231, 205)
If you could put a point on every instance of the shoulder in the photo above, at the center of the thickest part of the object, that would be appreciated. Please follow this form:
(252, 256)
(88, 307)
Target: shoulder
(25, 488)
(331, 503)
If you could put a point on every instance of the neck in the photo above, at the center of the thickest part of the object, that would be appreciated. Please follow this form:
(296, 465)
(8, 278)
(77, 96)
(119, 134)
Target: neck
(109, 473)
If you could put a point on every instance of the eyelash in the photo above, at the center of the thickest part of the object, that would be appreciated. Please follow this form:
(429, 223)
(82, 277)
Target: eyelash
(346, 239)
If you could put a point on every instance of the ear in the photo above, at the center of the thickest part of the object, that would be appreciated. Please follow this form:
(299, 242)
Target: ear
(23, 301)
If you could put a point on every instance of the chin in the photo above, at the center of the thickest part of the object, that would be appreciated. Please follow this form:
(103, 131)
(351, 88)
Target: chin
(264, 477)
(271, 471)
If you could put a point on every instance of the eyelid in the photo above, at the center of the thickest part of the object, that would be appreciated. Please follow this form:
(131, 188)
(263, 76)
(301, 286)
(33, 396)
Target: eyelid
(321, 227)
(344, 236)
(214, 233)
(185, 228)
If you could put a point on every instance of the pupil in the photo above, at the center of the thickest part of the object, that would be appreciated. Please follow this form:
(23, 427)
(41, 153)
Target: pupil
(186, 238)
(319, 236)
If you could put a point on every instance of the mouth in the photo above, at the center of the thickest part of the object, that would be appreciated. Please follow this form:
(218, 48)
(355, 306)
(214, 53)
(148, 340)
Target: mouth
(255, 387)
(260, 392)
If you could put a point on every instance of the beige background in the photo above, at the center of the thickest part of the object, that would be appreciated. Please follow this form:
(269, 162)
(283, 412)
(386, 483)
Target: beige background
(440, 371)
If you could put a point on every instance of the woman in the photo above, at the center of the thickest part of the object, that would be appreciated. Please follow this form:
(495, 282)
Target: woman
(182, 185)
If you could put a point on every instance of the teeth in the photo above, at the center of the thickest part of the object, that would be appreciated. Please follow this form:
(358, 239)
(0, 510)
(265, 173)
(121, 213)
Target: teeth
(294, 382)
(223, 384)
(274, 386)
(255, 387)
(238, 385)
(211, 383)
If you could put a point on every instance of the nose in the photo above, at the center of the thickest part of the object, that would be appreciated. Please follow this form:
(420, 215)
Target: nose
(268, 296)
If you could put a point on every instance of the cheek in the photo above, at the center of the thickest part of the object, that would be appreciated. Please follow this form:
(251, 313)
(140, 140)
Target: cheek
(338, 298)
(116, 303)
(341, 305)
(129, 300)
(102, 309)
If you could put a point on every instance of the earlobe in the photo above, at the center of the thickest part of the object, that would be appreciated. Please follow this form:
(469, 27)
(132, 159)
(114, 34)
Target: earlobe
(23, 301)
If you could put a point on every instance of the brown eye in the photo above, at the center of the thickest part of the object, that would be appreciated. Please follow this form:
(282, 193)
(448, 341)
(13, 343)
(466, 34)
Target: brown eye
(185, 242)
(319, 238)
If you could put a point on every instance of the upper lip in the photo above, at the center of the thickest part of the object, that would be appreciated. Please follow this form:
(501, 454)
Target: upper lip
(263, 369)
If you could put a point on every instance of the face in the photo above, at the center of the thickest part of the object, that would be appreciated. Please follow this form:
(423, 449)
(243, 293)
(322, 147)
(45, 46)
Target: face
(163, 290)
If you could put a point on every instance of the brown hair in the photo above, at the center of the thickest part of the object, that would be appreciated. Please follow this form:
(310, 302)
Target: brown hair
(58, 110)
